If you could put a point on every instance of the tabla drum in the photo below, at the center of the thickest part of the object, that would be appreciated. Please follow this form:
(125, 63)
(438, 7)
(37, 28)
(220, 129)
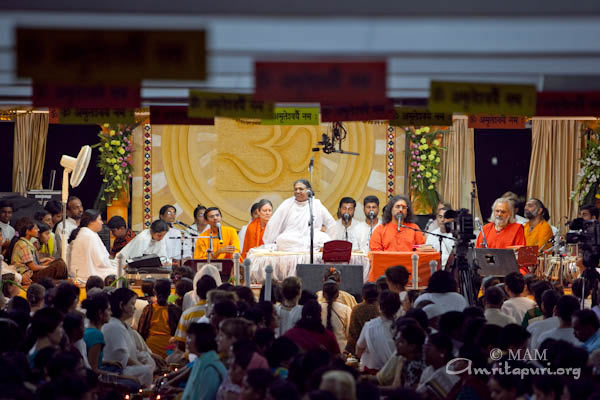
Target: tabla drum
(568, 271)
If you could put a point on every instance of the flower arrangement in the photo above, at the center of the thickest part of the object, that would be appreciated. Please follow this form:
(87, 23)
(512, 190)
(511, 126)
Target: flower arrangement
(115, 161)
(424, 166)
(587, 189)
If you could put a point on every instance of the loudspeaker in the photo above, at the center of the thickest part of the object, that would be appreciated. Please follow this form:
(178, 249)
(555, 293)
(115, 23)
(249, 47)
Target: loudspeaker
(312, 277)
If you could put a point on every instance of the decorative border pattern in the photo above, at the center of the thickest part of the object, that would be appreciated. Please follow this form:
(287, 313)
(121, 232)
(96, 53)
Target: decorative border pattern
(391, 161)
(147, 175)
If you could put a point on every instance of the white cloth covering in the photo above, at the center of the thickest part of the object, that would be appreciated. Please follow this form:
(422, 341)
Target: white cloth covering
(494, 316)
(120, 347)
(451, 301)
(565, 334)
(173, 243)
(143, 244)
(88, 256)
(376, 338)
(191, 298)
(447, 244)
(357, 232)
(288, 227)
(8, 232)
(284, 263)
(287, 317)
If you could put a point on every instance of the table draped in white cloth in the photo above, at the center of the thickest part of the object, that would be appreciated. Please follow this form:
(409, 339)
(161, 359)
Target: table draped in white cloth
(284, 263)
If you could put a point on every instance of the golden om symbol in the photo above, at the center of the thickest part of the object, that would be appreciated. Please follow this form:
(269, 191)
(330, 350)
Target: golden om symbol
(274, 145)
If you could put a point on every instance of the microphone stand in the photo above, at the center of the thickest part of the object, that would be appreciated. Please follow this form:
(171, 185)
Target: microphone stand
(473, 196)
(440, 237)
(311, 223)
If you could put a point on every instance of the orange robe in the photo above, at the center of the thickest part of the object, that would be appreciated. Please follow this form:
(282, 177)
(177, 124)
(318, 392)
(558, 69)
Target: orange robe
(539, 235)
(254, 236)
(387, 238)
(512, 235)
(230, 238)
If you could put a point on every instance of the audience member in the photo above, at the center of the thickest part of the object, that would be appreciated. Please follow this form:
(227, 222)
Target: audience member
(517, 304)
(361, 313)
(494, 297)
(441, 290)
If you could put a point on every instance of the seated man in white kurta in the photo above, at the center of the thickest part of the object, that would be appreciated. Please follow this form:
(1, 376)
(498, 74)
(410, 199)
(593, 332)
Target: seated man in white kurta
(348, 229)
(288, 228)
(173, 236)
(447, 243)
(87, 254)
(149, 241)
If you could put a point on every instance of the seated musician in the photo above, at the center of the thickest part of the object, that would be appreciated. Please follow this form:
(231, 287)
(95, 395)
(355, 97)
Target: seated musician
(395, 233)
(149, 241)
(538, 232)
(503, 231)
(348, 229)
(220, 248)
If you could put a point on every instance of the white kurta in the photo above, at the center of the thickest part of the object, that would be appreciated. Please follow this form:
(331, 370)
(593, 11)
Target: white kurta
(288, 227)
(367, 225)
(376, 338)
(8, 232)
(70, 226)
(174, 245)
(447, 244)
(357, 233)
(88, 256)
(143, 244)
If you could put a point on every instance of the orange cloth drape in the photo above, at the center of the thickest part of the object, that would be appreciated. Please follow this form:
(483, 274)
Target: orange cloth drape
(512, 235)
(254, 236)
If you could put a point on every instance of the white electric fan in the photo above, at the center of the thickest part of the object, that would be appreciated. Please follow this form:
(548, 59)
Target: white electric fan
(76, 167)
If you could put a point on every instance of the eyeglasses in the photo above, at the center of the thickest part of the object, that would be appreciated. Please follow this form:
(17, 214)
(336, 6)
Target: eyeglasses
(402, 207)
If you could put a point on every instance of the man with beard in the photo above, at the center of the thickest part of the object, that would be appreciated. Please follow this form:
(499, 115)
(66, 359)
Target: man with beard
(447, 243)
(503, 231)
(537, 230)
(347, 228)
(397, 232)
(74, 213)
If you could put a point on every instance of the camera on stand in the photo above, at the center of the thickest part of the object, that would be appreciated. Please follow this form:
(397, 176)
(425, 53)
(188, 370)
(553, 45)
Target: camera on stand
(463, 270)
(586, 234)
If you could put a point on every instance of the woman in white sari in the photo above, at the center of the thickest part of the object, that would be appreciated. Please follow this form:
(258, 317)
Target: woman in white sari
(149, 241)
(288, 228)
(87, 254)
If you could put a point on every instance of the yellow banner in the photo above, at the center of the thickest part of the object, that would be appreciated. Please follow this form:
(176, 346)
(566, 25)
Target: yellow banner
(211, 104)
(405, 116)
(294, 116)
(88, 55)
(94, 116)
(482, 98)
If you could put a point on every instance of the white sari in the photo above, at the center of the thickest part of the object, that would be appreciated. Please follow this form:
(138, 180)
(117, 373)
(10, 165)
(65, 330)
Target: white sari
(88, 256)
(288, 228)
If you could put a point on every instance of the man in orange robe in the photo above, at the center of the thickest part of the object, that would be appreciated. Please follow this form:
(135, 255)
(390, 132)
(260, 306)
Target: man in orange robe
(387, 237)
(221, 249)
(538, 232)
(502, 232)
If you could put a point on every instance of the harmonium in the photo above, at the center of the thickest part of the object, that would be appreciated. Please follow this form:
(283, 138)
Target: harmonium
(527, 258)
(146, 267)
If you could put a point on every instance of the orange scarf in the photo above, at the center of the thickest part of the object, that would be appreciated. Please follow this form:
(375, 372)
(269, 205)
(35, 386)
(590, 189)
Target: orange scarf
(254, 236)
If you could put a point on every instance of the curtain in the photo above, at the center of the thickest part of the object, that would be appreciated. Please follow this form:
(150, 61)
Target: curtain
(555, 153)
(31, 132)
(458, 166)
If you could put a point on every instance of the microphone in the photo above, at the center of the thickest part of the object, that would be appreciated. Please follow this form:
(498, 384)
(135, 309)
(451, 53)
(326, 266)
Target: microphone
(428, 224)
(478, 222)
(183, 224)
(309, 193)
(399, 216)
(312, 163)
(371, 215)
(346, 217)
(220, 234)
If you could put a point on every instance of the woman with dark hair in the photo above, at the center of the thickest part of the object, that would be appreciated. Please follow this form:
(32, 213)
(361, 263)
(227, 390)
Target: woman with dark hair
(391, 236)
(87, 254)
(345, 298)
(120, 347)
(200, 225)
(158, 322)
(47, 243)
(98, 313)
(309, 332)
(288, 228)
(208, 371)
(149, 241)
(45, 331)
(256, 229)
(442, 291)
(335, 315)
(24, 256)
